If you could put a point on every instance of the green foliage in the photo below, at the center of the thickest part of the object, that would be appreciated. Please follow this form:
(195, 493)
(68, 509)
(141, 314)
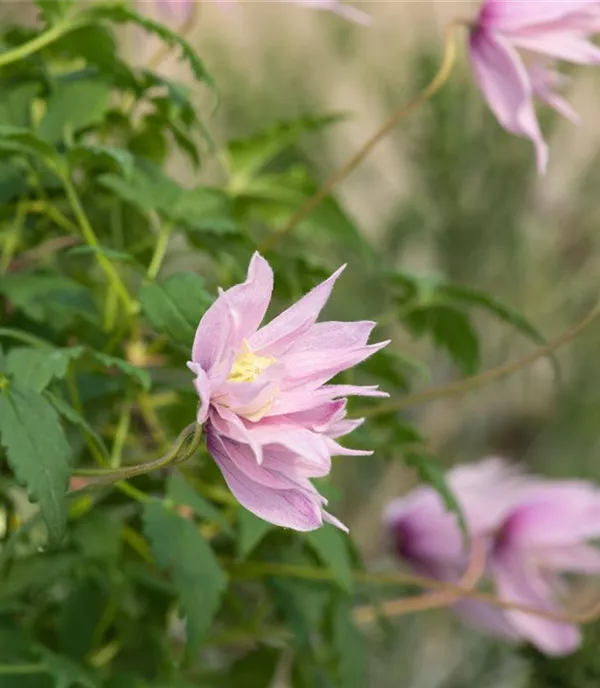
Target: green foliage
(199, 580)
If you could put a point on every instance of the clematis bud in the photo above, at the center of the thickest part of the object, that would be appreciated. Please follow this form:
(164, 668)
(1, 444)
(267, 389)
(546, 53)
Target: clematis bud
(271, 420)
(535, 532)
(545, 30)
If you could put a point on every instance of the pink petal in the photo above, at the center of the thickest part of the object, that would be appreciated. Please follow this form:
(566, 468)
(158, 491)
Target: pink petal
(486, 618)
(309, 398)
(503, 80)
(235, 315)
(519, 583)
(313, 368)
(333, 335)
(339, 8)
(561, 45)
(569, 558)
(202, 385)
(511, 15)
(545, 83)
(273, 499)
(228, 424)
(277, 336)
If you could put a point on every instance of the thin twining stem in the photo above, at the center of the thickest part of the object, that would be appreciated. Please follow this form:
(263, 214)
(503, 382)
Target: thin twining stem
(263, 569)
(443, 598)
(487, 376)
(180, 451)
(340, 174)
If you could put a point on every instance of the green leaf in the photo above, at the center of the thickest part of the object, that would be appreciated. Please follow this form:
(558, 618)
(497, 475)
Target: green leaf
(76, 419)
(36, 368)
(251, 531)
(255, 669)
(451, 330)
(51, 299)
(37, 451)
(246, 157)
(123, 14)
(53, 10)
(140, 375)
(36, 572)
(176, 306)
(430, 472)
(110, 253)
(66, 672)
(74, 104)
(15, 108)
(181, 492)
(178, 546)
(94, 156)
(349, 647)
(331, 546)
(21, 140)
(504, 312)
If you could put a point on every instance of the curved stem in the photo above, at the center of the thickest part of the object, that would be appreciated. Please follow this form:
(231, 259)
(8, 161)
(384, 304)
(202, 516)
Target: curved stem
(487, 376)
(339, 175)
(25, 337)
(37, 43)
(160, 251)
(178, 452)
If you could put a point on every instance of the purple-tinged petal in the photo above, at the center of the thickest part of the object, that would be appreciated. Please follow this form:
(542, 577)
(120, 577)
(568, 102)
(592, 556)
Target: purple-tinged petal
(328, 518)
(235, 315)
(522, 584)
(277, 336)
(545, 82)
(277, 501)
(202, 385)
(511, 15)
(310, 398)
(337, 450)
(333, 335)
(504, 83)
(569, 558)
(228, 424)
(561, 45)
(486, 618)
(337, 7)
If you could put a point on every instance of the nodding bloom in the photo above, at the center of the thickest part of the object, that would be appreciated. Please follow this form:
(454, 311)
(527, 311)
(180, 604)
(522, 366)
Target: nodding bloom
(183, 7)
(535, 532)
(513, 46)
(271, 420)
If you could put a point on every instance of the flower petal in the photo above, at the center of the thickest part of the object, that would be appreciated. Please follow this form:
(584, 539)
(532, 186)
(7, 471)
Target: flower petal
(509, 16)
(504, 83)
(277, 336)
(202, 385)
(235, 315)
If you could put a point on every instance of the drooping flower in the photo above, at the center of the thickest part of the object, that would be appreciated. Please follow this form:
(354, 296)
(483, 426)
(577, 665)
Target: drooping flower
(541, 31)
(183, 7)
(534, 530)
(271, 420)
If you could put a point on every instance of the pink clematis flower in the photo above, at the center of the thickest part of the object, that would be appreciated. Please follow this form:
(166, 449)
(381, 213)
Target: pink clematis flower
(271, 421)
(545, 30)
(183, 7)
(535, 531)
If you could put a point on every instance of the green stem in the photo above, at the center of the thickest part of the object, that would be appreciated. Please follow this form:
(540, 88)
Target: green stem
(92, 240)
(160, 251)
(24, 337)
(121, 435)
(38, 43)
(177, 452)
(14, 669)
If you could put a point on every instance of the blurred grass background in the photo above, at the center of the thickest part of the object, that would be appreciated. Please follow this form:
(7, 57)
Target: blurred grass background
(449, 192)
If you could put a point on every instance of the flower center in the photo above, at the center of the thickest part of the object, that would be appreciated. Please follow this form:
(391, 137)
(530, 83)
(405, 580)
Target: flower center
(248, 366)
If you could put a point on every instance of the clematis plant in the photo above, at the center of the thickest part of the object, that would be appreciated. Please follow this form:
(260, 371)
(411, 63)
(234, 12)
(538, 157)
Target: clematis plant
(512, 47)
(271, 420)
(535, 532)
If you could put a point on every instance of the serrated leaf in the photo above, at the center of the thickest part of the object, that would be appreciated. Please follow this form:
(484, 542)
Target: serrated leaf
(37, 451)
(451, 330)
(74, 104)
(247, 156)
(331, 547)
(181, 492)
(53, 10)
(251, 531)
(93, 156)
(430, 472)
(176, 305)
(200, 582)
(36, 368)
(123, 14)
(140, 375)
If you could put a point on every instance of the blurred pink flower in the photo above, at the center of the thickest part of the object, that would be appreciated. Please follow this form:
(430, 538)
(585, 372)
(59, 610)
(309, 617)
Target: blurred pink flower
(183, 7)
(547, 29)
(271, 420)
(534, 530)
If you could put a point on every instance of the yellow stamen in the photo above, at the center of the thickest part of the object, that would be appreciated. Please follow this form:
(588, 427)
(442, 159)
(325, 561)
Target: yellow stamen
(248, 366)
